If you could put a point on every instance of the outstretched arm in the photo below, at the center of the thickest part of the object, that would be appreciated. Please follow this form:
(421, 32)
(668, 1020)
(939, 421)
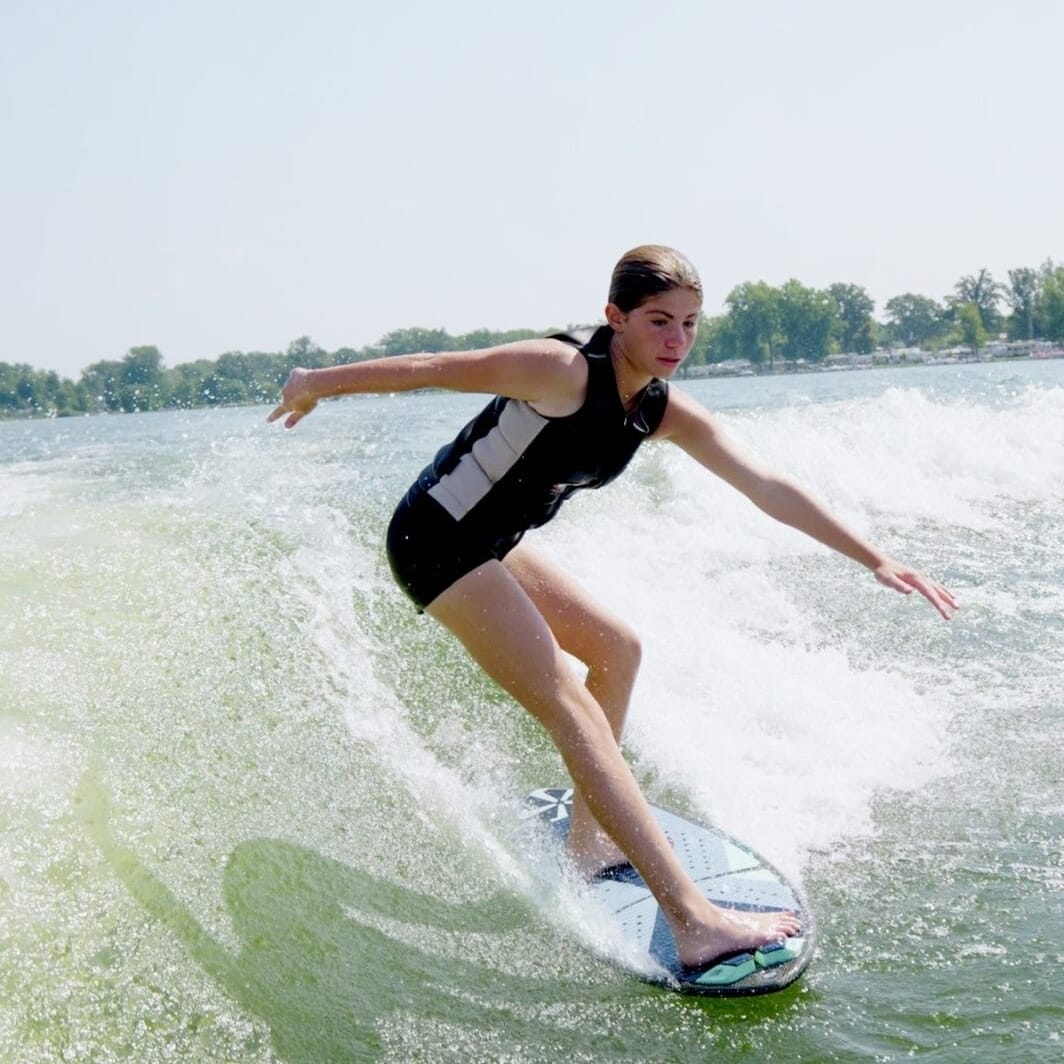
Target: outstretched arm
(548, 373)
(693, 428)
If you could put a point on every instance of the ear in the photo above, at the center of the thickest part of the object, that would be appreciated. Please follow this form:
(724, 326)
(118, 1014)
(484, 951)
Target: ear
(615, 316)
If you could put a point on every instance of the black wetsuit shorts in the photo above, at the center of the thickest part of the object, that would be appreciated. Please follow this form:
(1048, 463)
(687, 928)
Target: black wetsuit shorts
(428, 550)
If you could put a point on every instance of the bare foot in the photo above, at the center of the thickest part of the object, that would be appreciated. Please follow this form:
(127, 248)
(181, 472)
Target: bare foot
(724, 931)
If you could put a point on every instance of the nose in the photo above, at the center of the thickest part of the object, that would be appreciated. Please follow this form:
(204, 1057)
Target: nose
(675, 336)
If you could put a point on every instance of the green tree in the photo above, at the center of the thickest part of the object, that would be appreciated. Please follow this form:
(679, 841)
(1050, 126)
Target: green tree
(22, 389)
(343, 356)
(72, 398)
(1050, 309)
(409, 341)
(716, 341)
(970, 321)
(807, 319)
(1021, 296)
(305, 352)
(137, 382)
(699, 353)
(480, 338)
(142, 380)
(187, 383)
(229, 383)
(915, 320)
(103, 382)
(9, 377)
(753, 331)
(983, 292)
(52, 394)
(855, 329)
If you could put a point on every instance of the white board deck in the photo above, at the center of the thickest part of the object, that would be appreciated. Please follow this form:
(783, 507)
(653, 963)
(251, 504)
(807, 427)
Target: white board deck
(729, 874)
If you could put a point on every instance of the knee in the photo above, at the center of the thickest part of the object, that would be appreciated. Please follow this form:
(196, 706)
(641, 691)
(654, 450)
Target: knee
(620, 649)
(575, 719)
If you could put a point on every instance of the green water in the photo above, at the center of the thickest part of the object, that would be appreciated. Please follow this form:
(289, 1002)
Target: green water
(253, 808)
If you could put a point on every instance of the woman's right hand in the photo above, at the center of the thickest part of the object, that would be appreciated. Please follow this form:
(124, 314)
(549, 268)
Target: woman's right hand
(297, 399)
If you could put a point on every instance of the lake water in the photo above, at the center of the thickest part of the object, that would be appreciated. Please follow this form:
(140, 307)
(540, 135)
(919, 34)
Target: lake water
(254, 808)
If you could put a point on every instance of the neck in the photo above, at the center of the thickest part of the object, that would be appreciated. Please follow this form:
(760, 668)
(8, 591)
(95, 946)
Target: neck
(630, 382)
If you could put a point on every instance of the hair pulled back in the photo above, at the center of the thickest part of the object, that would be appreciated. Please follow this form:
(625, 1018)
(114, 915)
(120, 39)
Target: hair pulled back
(647, 271)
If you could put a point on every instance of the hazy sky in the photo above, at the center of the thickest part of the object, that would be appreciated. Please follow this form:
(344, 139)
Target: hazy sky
(215, 176)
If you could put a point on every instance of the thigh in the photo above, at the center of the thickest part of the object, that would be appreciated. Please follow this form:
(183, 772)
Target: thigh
(507, 635)
(582, 625)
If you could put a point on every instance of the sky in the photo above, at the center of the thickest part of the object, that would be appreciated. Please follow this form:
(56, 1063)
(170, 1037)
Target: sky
(232, 175)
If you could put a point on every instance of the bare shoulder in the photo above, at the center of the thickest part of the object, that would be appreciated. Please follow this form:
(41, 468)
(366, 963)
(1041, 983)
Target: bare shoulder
(689, 425)
(545, 354)
(686, 420)
(550, 374)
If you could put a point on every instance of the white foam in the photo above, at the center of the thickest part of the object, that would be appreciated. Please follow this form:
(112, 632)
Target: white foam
(20, 489)
(768, 721)
(325, 574)
(909, 457)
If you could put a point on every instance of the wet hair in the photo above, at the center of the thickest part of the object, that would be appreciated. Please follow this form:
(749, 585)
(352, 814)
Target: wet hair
(649, 270)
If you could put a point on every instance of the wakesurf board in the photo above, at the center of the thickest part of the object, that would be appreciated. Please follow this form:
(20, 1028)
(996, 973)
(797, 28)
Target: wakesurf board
(728, 872)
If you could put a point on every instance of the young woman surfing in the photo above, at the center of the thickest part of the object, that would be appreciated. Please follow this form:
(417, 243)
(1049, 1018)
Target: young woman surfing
(567, 417)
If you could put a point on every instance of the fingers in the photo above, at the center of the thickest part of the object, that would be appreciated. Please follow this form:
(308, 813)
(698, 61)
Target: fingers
(908, 580)
(934, 592)
(943, 599)
(889, 578)
(294, 416)
(948, 596)
(295, 399)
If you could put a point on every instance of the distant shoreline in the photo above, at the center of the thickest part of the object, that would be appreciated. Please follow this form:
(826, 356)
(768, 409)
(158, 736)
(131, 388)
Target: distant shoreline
(1030, 351)
(892, 359)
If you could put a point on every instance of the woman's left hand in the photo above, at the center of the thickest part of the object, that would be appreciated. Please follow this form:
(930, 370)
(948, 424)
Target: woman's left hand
(902, 578)
(297, 399)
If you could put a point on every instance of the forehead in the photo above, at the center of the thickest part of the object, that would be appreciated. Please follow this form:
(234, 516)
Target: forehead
(676, 302)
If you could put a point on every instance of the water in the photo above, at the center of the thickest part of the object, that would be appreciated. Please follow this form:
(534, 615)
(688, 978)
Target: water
(254, 808)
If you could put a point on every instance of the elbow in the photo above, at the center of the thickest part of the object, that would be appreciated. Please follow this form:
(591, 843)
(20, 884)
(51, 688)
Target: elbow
(776, 496)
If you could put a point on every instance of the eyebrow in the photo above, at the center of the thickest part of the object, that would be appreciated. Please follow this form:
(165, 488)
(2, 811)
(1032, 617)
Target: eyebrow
(669, 314)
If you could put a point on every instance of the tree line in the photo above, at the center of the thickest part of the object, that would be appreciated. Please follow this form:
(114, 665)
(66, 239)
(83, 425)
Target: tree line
(793, 322)
(761, 323)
